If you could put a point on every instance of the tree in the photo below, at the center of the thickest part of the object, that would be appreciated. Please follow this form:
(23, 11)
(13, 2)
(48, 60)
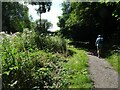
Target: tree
(45, 25)
(86, 20)
(43, 7)
(62, 19)
(14, 17)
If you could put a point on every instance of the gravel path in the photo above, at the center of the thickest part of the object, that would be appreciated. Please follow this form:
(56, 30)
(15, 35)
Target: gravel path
(102, 74)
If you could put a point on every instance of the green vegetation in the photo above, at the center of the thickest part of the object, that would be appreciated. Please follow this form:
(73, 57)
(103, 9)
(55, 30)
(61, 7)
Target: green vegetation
(49, 63)
(78, 76)
(35, 58)
(75, 22)
(45, 25)
(15, 17)
(113, 59)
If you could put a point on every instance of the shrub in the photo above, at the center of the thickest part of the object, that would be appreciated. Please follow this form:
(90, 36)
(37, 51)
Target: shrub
(51, 43)
(24, 68)
(30, 40)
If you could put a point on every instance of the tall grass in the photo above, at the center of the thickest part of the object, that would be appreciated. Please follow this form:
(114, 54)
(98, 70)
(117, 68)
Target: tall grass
(51, 43)
(78, 76)
(113, 59)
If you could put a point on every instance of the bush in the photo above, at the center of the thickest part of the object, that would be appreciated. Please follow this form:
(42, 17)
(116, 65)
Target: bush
(30, 70)
(27, 67)
(51, 43)
(29, 40)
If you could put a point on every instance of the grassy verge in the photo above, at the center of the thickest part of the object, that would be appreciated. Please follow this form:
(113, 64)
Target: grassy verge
(113, 60)
(78, 76)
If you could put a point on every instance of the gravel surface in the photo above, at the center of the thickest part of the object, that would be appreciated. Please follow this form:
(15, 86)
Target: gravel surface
(102, 74)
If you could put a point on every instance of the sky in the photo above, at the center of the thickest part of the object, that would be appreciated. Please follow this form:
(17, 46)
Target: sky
(51, 16)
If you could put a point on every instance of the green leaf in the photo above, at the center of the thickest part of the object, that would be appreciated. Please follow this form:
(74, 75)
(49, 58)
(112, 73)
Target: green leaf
(6, 72)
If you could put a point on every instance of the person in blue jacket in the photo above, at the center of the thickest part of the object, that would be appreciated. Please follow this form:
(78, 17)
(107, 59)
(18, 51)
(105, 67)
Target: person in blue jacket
(99, 44)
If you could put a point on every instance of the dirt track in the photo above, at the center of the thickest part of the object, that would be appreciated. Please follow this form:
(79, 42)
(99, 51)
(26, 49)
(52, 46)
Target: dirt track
(102, 73)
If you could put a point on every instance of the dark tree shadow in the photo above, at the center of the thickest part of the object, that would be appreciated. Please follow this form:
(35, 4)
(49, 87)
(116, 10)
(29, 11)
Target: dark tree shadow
(87, 46)
(92, 49)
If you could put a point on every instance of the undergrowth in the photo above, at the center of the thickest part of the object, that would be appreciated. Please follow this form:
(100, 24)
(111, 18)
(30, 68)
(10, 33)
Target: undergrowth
(33, 61)
(113, 59)
(77, 73)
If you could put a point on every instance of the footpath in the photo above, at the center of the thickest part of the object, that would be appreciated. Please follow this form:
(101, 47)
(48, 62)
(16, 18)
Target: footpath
(102, 74)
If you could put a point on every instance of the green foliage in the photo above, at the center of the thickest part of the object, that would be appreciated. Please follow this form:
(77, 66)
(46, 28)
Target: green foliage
(30, 40)
(14, 17)
(43, 6)
(50, 43)
(30, 70)
(77, 73)
(25, 66)
(33, 61)
(56, 44)
(81, 19)
(113, 59)
(62, 20)
(45, 25)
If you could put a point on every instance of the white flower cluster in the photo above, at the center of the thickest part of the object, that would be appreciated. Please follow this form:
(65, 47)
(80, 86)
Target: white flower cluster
(26, 33)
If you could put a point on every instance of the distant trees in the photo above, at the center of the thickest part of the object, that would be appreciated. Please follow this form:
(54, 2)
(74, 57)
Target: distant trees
(14, 17)
(85, 20)
(44, 26)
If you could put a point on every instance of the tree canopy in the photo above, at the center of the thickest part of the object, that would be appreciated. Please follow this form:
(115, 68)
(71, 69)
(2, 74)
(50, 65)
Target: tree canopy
(14, 17)
(43, 8)
(85, 20)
